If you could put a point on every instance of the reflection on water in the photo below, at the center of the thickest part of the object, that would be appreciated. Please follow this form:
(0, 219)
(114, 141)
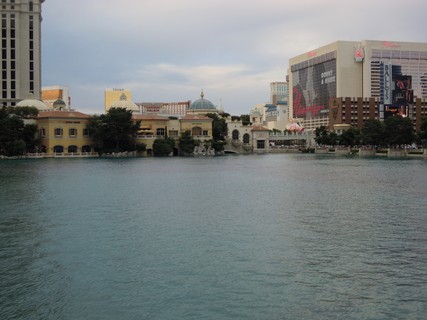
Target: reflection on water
(250, 237)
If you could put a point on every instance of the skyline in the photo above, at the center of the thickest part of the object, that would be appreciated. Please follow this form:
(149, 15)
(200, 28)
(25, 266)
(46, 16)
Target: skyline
(232, 50)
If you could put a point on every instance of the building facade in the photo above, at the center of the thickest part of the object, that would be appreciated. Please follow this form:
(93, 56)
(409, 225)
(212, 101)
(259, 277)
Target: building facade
(64, 133)
(392, 73)
(113, 96)
(279, 92)
(20, 50)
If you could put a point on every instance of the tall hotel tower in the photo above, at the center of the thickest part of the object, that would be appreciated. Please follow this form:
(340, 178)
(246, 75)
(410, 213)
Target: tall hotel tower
(20, 50)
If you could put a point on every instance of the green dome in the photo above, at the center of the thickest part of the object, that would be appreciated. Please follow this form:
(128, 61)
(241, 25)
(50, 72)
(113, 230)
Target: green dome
(202, 104)
(59, 104)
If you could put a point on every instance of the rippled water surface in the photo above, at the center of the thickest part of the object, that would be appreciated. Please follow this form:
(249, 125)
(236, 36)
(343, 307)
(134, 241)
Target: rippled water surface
(247, 237)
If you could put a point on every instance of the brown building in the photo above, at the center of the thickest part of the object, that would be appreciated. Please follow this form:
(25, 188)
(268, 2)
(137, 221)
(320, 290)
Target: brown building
(346, 112)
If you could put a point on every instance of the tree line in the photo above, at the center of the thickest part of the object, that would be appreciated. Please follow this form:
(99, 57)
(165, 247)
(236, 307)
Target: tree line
(392, 132)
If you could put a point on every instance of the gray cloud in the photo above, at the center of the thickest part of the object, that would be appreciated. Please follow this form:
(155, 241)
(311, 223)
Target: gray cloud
(168, 50)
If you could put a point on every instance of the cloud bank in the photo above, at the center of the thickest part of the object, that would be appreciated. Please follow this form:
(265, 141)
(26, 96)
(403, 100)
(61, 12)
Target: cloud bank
(168, 50)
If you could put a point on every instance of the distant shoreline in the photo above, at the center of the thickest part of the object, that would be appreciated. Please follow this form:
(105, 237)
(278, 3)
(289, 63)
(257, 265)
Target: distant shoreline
(338, 151)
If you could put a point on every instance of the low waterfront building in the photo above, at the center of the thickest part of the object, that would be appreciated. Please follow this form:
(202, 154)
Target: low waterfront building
(64, 133)
(246, 138)
(154, 127)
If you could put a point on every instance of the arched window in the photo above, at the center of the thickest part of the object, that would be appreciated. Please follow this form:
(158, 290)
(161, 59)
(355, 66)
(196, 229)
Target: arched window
(160, 131)
(196, 131)
(58, 149)
(86, 149)
(72, 149)
(235, 135)
(246, 138)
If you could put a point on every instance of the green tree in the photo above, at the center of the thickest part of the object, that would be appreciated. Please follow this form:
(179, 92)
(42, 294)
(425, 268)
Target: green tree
(322, 135)
(398, 131)
(16, 137)
(24, 112)
(350, 137)
(186, 144)
(114, 131)
(423, 132)
(163, 147)
(372, 133)
(219, 131)
(246, 119)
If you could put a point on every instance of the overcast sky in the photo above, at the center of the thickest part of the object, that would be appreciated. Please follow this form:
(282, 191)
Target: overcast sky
(169, 50)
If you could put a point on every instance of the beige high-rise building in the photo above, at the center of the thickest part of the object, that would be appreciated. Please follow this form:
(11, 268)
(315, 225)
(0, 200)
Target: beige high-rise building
(113, 96)
(20, 51)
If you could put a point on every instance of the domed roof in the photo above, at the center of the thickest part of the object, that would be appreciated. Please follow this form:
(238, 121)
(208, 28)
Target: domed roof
(59, 104)
(32, 103)
(202, 104)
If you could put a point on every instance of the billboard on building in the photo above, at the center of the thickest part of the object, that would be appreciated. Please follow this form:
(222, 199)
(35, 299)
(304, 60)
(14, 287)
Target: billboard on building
(402, 97)
(313, 86)
(387, 76)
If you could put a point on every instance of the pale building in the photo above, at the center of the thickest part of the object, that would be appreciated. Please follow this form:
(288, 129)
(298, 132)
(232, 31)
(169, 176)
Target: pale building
(124, 103)
(279, 92)
(20, 51)
(112, 96)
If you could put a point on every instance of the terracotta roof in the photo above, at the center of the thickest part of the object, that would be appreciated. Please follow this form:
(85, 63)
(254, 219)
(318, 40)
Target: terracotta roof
(259, 128)
(62, 114)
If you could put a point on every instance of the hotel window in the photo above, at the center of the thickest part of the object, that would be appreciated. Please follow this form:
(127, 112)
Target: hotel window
(72, 132)
(160, 132)
(58, 132)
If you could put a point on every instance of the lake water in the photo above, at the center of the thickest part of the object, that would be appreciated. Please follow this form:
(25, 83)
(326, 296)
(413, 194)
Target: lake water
(237, 237)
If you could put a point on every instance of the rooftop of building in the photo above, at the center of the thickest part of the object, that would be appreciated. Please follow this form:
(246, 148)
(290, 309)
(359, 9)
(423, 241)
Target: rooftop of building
(202, 104)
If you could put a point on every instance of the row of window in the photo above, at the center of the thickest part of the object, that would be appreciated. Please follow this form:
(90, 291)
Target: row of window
(196, 131)
(59, 132)
(69, 149)
(30, 5)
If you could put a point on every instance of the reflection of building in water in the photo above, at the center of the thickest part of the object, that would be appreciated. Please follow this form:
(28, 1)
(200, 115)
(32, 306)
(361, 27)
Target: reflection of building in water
(390, 75)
